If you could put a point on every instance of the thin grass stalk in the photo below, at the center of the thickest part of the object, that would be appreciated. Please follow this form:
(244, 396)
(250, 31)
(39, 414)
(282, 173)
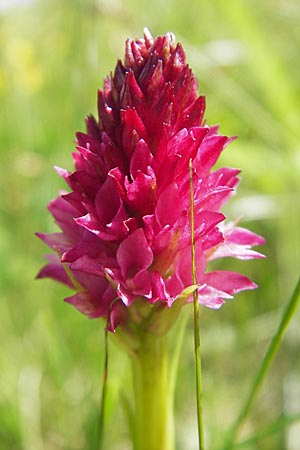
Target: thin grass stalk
(287, 316)
(196, 319)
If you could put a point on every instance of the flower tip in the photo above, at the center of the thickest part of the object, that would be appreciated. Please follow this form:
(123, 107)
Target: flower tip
(253, 286)
(61, 172)
(233, 138)
(261, 241)
(110, 328)
(39, 275)
(172, 38)
(148, 36)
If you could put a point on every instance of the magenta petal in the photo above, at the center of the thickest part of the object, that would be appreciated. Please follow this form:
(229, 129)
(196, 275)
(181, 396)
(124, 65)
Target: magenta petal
(83, 302)
(93, 128)
(55, 271)
(62, 172)
(133, 130)
(132, 94)
(77, 200)
(117, 314)
(174, 286)
(242, 236)
(126, 295)
(207, 220)
(183, 267)
(194, 113)
(112, 232)
(88, 265)
(163, 242)
(59, 242)
(169, 205)
(134, 254)
(149, 224)
(140, 284)
(141, 193)
(97, 297)
(159, 291)
(215, 189)
(211, 297)
(90, 246)
(64, 214)
(213, 238)
(230, 282)
(230, 249)
(226, 176)
(210, 150)
(166, 171)
(108, 203)
(141, 158)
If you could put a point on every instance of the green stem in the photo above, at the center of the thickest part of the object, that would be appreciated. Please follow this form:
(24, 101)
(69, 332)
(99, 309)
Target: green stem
(177, 347)
(103, 396)
(196, 320)
(154, 425)
(266, 363)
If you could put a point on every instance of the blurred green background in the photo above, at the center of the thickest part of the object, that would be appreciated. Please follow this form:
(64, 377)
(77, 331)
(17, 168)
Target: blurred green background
(53, 57)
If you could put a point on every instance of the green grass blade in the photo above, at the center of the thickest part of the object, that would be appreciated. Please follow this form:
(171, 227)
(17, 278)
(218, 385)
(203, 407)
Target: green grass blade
(279, 424)
(266, 363)
(196, 320)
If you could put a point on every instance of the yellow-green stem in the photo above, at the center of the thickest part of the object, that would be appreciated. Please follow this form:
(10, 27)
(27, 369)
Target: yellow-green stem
(154, 423)
(99, 444)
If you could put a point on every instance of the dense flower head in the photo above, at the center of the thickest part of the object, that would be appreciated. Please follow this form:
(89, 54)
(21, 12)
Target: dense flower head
(125, 235)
